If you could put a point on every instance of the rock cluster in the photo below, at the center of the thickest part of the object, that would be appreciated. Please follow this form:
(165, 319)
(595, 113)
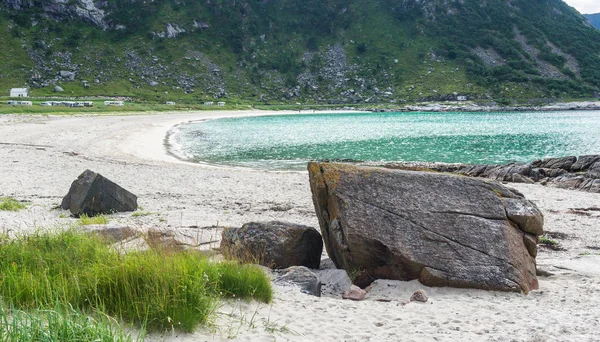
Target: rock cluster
(581, 173)
(442, 229)
(575, 173)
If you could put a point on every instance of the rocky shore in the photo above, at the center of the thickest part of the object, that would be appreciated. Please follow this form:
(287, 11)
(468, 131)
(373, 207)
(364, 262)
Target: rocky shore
(489, 107)
(573, 173)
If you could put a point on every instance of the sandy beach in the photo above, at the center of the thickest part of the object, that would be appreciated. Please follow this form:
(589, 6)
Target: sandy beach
(41, 155)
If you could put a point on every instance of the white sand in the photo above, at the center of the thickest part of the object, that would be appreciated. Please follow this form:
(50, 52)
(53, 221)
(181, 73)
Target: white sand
(40, 156)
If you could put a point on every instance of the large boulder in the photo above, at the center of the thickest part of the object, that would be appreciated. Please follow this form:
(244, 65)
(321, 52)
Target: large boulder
(274, 244)
(93, 194)
(442, 229)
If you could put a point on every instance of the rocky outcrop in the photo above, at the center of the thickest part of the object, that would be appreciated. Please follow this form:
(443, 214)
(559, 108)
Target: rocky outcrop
(442, 229)
(274, 244)
(62, 9)
(92, 194)
(564, 163)
(574, 173)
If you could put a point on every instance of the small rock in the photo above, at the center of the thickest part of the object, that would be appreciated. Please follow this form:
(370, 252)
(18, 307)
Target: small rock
(335, 282)
(355, 293)
(58, 89)
(419, 296)
(302, 277)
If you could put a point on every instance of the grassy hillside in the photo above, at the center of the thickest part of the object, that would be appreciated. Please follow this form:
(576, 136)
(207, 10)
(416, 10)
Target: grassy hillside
(313, 51)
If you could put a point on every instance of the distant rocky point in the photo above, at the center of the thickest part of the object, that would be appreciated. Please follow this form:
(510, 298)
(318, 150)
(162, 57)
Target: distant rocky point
(575, 173)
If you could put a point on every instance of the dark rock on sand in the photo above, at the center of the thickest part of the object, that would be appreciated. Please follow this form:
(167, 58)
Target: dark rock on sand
(93, 194)
(274, 244)
(302, 277)
(442, 229)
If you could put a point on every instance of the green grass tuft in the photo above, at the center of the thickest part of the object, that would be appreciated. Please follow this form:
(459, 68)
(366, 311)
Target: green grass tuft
(11, 204)
(57, 326)
(545, 240)
(99, 219)
(157, 289)
(141, 213)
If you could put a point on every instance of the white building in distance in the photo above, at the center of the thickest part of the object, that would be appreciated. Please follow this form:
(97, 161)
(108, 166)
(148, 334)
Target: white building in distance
(19, 92)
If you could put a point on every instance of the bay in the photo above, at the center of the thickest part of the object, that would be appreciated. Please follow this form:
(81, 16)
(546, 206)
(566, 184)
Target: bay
(287, 142)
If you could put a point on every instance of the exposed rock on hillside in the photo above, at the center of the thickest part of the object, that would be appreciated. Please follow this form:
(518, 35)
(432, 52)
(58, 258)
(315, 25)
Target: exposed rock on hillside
(442, 229)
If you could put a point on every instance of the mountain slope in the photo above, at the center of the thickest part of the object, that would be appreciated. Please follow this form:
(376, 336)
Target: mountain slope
(594, 19)
(313, 51)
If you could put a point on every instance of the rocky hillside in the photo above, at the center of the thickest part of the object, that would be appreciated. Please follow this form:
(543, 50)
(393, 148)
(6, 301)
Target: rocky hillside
(311, 51)
(594, 19)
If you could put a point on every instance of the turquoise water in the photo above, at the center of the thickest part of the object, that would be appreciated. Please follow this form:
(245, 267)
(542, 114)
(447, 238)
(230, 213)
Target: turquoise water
(289, 141)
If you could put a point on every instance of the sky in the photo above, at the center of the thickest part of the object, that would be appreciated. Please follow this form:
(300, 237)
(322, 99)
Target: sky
(585, 6)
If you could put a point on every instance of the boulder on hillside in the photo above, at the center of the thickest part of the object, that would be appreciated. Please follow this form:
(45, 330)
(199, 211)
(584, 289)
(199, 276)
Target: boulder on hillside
(442, 229)
(58, 89)
(93, 194)
(274, 244)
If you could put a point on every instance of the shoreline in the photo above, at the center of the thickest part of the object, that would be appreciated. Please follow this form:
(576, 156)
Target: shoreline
(42, 155)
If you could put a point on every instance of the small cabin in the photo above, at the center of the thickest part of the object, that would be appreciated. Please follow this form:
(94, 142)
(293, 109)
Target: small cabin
(221, 104)
(209, 103)
(19, 92)
(461, 98)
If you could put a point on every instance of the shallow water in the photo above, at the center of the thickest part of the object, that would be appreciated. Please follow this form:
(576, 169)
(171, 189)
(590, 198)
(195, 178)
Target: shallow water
(289, 141)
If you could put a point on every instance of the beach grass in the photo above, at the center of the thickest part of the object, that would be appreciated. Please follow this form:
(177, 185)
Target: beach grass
(98, 219)
(546, 240)
(58, 325)
(160, 290)
(11, 204)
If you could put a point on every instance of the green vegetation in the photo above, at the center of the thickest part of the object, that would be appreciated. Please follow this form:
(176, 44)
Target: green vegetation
(11, 204)
(141, 213)
(311, 52)
(154, 289)
(60, 325)
(98, 219)
(546, 240)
